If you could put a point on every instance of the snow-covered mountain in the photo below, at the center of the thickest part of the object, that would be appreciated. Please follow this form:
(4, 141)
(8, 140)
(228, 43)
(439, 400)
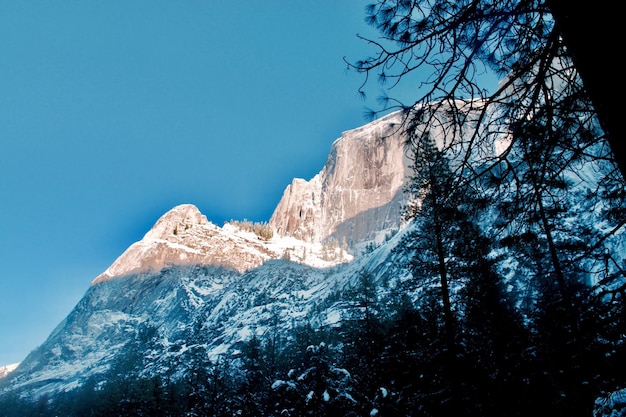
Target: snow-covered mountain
(190, 285)
(187, 270)
(357, 197)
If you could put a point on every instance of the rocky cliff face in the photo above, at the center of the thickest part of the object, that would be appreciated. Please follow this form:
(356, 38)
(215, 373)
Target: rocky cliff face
(358, 194)
(356, 197)
(184, 237)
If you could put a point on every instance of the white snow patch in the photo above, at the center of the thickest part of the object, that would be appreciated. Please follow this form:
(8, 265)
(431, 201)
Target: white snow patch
(7, 369)
(279, 383)
(326, 396)
(333, 317)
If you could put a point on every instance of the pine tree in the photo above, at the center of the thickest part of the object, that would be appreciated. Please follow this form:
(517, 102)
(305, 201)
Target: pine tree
(453, 270)
(434, 208)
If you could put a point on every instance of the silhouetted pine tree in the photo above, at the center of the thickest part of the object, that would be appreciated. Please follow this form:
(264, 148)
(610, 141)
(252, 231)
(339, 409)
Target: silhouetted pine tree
(494, 338)
(477, 345)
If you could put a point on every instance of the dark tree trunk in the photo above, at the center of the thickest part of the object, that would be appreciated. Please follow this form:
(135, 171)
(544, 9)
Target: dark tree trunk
(594, 37)
(445, 291)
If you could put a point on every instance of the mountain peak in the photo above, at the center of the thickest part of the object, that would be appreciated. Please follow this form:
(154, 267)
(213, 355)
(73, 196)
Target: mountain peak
(358, 196)
(184, 236)
(176, 221)
(177, 238)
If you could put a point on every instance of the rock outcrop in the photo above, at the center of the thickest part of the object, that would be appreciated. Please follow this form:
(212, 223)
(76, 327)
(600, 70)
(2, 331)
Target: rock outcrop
(358, 194)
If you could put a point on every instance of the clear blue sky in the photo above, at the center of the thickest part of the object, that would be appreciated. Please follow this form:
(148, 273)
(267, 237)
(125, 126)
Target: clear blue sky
(112, 112)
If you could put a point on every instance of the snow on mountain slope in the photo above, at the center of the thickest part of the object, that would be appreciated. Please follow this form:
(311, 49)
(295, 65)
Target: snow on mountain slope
(228, 305)
(184, 236)
(7, 369)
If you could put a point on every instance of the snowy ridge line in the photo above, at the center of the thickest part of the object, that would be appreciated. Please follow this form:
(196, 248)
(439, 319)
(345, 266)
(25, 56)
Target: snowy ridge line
(210, 245)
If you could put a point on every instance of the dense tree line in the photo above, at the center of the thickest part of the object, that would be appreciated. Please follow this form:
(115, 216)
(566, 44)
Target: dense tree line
(520, 146)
